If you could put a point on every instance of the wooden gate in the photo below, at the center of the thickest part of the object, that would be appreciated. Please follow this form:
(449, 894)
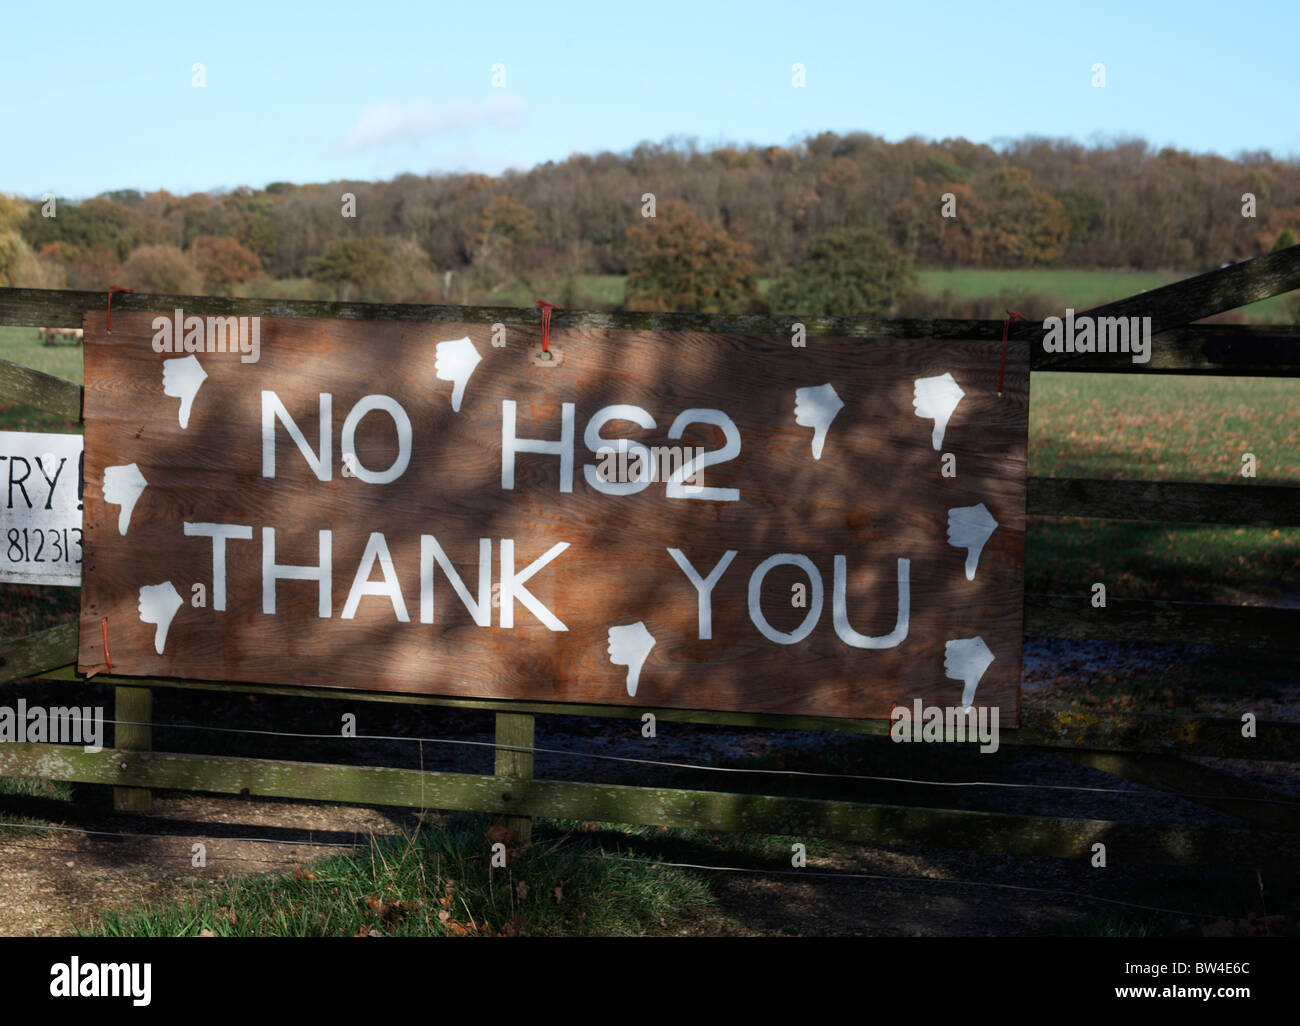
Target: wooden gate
(1150, 749)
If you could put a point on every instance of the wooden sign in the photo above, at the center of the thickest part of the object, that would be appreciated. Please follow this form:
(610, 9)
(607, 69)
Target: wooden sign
(40, 516)
(684, 520)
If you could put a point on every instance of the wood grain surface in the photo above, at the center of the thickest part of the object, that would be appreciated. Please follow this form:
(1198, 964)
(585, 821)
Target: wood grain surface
(875, 496)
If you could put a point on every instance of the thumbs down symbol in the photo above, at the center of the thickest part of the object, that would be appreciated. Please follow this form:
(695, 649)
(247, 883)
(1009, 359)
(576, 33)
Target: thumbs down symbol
(816, 407)
(455, 362)
(182, 379)
(966, 659)
(969, 527)
(936, 398)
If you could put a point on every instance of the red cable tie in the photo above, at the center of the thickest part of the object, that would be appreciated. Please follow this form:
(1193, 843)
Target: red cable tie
(108, 326)
(546, 309)
(1006, 327)
(104, 624)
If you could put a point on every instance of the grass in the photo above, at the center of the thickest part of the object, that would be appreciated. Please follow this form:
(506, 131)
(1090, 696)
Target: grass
(1079, 289)
(588, 879)
(1118, 925)
(1164, 427)
(30, 802)
(437, 882)
(1170, 428)
(23, 346)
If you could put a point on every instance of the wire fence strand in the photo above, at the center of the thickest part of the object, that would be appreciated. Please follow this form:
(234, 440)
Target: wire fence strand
(1135, 793)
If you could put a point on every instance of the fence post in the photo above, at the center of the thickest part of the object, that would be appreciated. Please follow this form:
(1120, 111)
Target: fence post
(132, 705)
(515, 729)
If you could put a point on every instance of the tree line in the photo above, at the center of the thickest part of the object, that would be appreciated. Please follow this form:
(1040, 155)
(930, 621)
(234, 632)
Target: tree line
(723, 218)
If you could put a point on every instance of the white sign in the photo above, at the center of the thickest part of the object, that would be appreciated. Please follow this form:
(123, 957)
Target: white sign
(40, 508)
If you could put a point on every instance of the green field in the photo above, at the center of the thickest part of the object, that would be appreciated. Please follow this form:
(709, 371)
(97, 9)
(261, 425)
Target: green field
(21, 345)
(1078, 289)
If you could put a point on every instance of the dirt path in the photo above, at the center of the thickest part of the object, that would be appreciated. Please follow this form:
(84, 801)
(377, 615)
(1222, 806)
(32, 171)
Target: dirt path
(55, 880)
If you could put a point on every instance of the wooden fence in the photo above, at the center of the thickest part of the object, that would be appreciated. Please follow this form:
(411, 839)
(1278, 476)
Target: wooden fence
(1149, 749)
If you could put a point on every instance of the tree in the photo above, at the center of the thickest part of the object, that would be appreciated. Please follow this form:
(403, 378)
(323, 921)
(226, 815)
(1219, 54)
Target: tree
(508, 219)
(1028, 226)
(354, 267)
(679, 262)
(94, 222)
(506, 228)
(1285, 241)
(19, 267)
(223, 262)
(161, 269)
(850, 272)
(412, 279)
(13, 211)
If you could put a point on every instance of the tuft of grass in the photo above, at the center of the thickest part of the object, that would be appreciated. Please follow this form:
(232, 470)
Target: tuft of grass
(1115, 924)
(27, 802)
(436, 882)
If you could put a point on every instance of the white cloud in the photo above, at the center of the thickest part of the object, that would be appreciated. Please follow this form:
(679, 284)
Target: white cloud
(383, 123)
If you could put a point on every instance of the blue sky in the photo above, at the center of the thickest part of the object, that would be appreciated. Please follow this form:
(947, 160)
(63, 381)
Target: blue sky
(102, 98)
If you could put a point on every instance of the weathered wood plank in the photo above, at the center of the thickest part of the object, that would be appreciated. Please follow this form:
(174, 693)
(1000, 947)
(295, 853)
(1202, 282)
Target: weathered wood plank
(1214, 788)
(707, 810)
(515, 729)
(1107, 729)
(132, 707)
(1207, 349)
(1245, 350)
(1194, 349)
(20, 384)
(1158, 620)
(36, 653)
(1164, 501)
(65, 308)
(1205, 295)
